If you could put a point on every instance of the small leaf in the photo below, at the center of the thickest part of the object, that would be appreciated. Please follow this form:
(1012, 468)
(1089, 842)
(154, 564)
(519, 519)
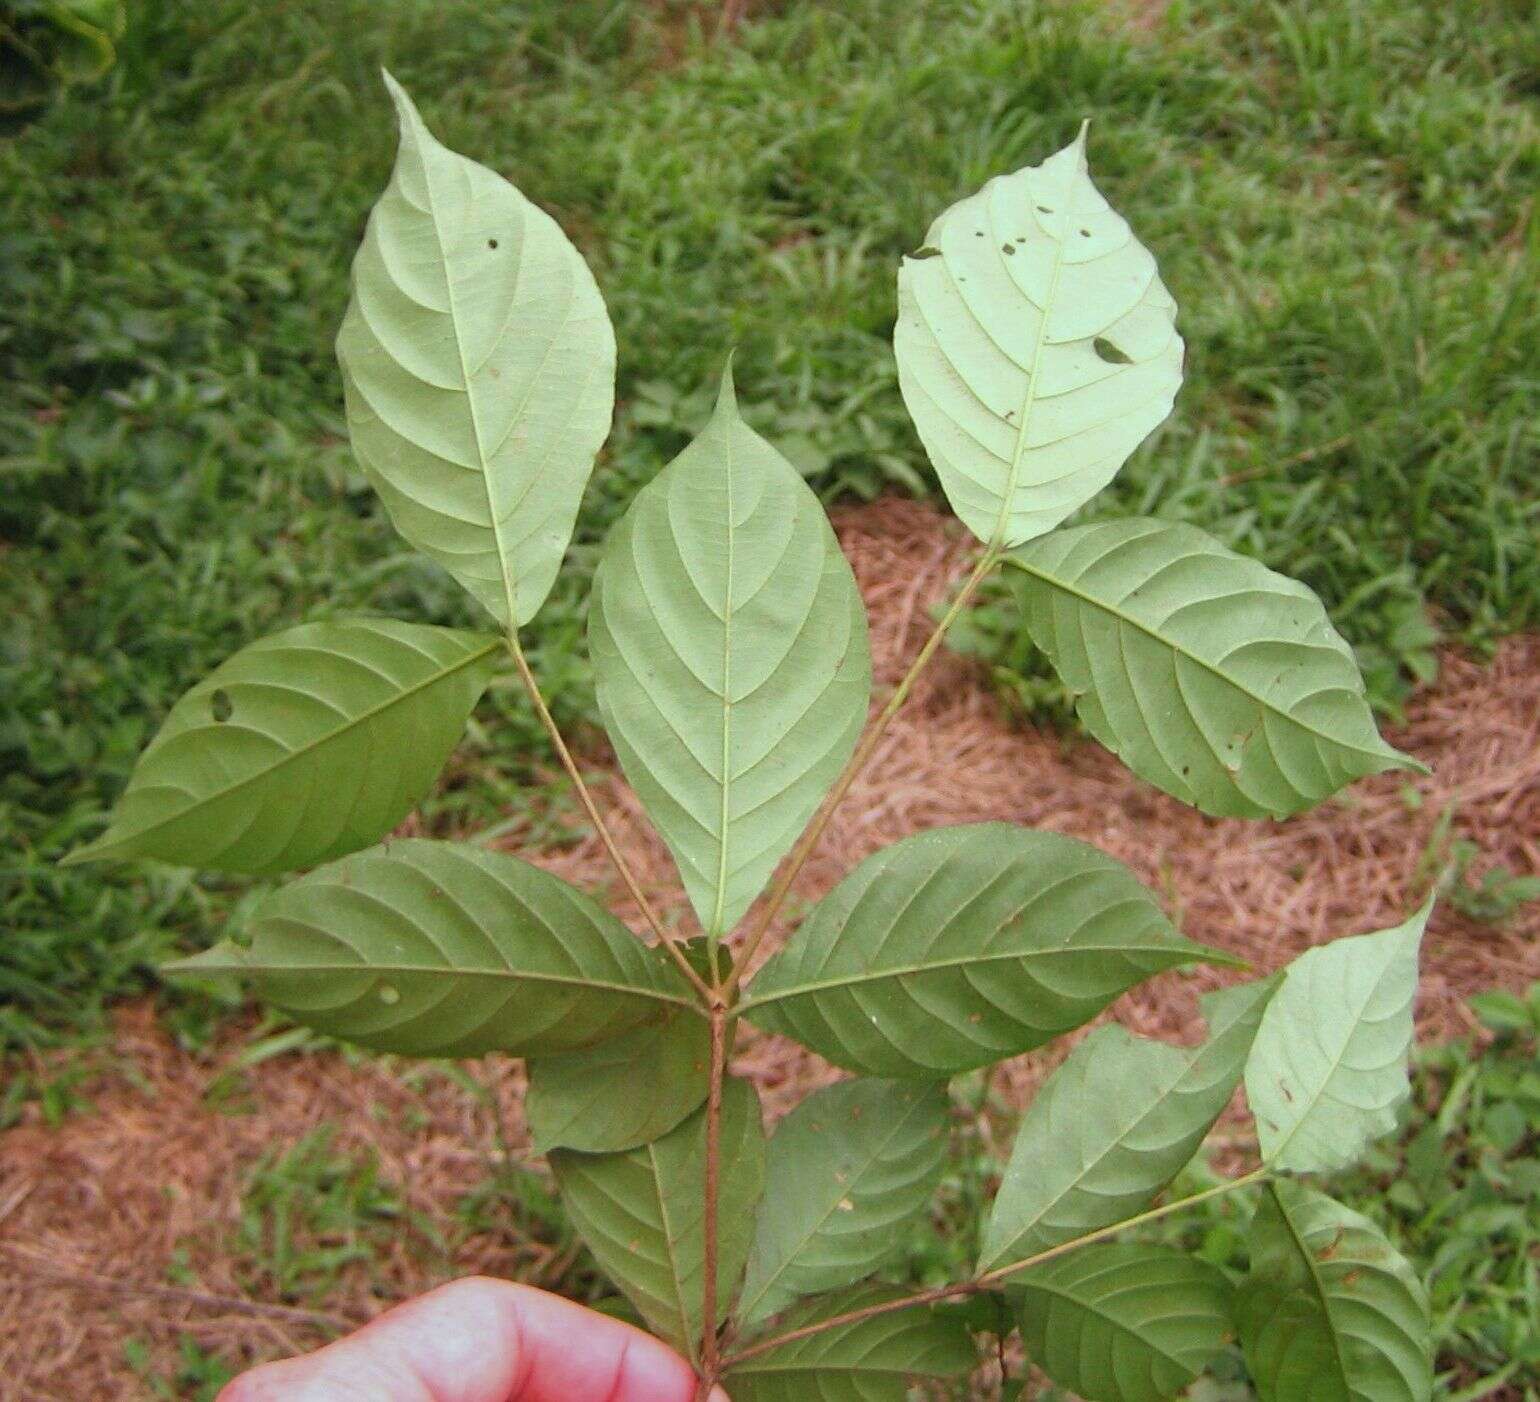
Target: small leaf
(870, 1360)
(625, 1092)
(1328, 1072)
(961, 946)
(479, 368)
(1209, 675)
(304, 746)
(438, 949)
(1114, 1124)
(846, 1171)
(642, 1214)
(730, 653)
(1330, 1311)
(1123, 1322)
(997, 344)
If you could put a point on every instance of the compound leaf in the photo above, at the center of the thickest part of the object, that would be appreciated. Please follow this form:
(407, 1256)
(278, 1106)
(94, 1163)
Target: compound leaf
(305, 745)
(961, 946)
(845, 1171)
(1123, 1322)
(1328, 1072)
(870, 1360)
(1211, 676)
(1114, 1124)
(1036, 347)
(624, 1092)
(1330, 1311)
(730, 653)
(478, 364)
(439, 949)
(642, 1214)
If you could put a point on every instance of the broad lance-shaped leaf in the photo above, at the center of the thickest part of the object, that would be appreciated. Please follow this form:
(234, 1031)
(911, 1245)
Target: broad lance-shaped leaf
(1211, 676)
(1123, 1322)
(846, 1171)
(440, 949)
(479, 368)
(304, 746)
(870, 1360)
(1328, 1071)
(1330, 1310)
(960, 946)
(642, 1214)
(624, 1092)
(1036, 347)
(1116, 1123)
(730, 652)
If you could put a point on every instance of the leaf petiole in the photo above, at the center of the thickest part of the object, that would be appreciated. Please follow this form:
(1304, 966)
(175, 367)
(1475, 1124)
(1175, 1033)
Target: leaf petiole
(666, 939)
(991, 1280)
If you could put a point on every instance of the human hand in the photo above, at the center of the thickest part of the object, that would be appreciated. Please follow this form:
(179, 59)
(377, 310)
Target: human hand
(480, 1340)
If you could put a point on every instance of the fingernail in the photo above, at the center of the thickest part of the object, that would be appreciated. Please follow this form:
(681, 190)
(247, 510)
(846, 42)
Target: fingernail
(717, 1395)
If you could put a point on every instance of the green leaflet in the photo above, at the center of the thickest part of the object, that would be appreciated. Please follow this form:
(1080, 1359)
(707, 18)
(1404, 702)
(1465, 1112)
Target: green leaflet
(642, 1214)
(1328, 1071)
(1330, 1312)
(440, 949)
(1123, 1322)
(624, 1092)
(729, 648)
(1114, 1124)
(1211, 676)
(306, 745)
(961, 946)
(868, 1361)
(1036, 351)
(846, 1171)
(479, 367)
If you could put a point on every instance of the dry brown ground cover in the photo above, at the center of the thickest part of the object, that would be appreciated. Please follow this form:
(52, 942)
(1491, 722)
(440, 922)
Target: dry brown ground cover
(94, 1212)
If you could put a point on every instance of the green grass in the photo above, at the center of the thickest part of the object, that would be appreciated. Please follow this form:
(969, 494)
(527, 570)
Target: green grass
(1340, 196)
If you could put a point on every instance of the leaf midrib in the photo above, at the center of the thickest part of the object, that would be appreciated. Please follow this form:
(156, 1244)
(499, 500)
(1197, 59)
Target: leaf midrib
(1149, 631)
(494, 524)
(672, 1245)
(746, 1305)
(1195, 954)
(1316, 1279)
(1112, 1144)
(104, 845)
(1012, 477)
(725, 807)
(441, 971)
(1336, 1062)
(1094, 1307)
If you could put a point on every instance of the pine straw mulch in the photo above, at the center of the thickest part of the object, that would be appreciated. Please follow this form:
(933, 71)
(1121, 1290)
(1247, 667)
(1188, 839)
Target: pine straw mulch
(94, 1212)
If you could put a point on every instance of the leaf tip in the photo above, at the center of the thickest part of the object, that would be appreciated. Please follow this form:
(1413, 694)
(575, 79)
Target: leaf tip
(79, 856)
(406, 110)
(223, 960)
(727, 391)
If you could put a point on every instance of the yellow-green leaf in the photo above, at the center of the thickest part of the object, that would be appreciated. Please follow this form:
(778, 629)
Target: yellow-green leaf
(479, 368)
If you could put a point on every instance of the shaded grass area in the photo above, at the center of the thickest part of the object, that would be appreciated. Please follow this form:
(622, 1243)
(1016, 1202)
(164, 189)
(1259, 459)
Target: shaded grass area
(1340, 199)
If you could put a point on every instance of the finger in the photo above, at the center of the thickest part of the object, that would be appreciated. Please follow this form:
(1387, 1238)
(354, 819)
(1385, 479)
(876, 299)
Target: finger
(481, 1340)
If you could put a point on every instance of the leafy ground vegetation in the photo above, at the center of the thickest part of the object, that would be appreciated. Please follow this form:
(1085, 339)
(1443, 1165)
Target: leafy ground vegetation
(1340, 198)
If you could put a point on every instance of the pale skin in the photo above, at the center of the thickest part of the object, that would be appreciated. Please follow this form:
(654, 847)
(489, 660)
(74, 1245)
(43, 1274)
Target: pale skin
(481, 1340)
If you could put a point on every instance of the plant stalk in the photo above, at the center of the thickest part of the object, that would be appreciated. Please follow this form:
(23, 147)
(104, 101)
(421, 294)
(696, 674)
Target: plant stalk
(989, 1280)
(711, 1368)
(665, 938)
(858, 761)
